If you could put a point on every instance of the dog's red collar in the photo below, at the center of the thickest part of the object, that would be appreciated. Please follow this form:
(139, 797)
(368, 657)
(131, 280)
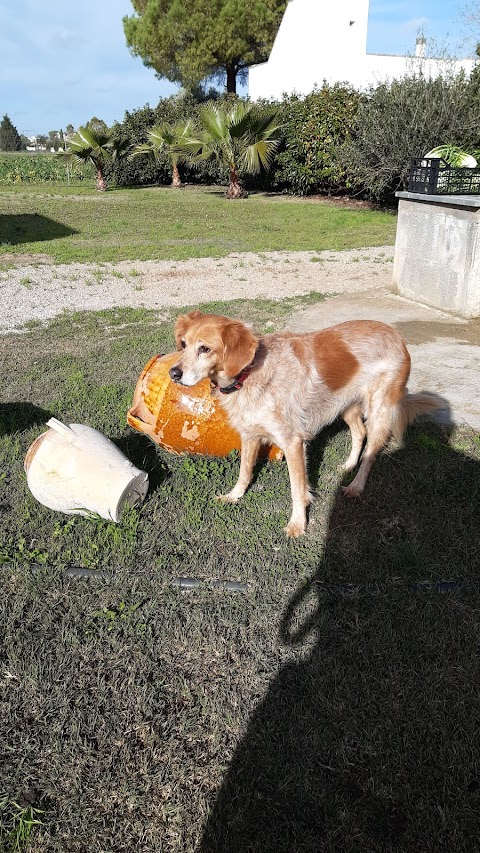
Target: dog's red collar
(237, 382)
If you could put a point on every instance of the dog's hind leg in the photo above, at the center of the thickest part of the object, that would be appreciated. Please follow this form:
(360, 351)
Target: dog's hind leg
(353, 418)
(249, 455)
(301, 497)
(379, 426)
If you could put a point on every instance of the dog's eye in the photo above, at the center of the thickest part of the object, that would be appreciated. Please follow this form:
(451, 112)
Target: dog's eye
(183, 344)
(203, 349)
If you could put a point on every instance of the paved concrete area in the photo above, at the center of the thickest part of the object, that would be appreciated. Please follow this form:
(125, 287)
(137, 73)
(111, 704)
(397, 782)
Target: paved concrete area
(445, 349)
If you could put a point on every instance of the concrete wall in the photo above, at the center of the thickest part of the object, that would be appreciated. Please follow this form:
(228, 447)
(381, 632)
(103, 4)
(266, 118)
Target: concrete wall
(437, 252)
(316, 42)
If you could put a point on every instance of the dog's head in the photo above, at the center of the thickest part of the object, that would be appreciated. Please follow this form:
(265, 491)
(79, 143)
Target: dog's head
(212, 346)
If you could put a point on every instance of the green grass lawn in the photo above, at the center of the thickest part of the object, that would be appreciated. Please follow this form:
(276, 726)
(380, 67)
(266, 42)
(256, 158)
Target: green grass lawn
(78, 224)
(299, 715)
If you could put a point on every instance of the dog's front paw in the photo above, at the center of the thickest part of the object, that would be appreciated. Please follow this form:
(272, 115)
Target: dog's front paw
(231, 498)
(294, 529)
(352, 491)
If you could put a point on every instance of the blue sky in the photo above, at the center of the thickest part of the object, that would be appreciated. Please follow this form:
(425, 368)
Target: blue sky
(394, 24)
(62, 63)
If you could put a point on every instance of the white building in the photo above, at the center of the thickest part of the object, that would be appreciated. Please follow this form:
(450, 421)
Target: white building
(319, 41)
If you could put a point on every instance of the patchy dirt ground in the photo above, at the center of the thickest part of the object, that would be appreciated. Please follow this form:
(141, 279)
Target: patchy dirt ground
(33, 289)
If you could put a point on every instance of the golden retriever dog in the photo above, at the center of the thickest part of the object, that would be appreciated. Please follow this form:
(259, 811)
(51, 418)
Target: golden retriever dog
(284, 388)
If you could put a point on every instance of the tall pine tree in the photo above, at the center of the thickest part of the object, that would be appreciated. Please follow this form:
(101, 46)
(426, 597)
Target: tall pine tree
(9, 137)
(188, 41)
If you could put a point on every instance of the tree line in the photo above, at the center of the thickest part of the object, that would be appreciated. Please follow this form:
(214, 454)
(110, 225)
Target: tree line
(335, 140)
(12, 140)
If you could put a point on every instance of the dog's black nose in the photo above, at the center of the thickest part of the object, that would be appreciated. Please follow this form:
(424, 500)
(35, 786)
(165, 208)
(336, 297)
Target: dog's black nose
(175, 373)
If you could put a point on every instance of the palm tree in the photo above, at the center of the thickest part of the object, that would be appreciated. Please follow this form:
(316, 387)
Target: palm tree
(241, 136)
(97, 148)
(167, 139)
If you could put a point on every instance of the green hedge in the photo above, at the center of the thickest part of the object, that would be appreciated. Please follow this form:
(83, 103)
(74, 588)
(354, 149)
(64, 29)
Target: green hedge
(313, 129)
(22, 168)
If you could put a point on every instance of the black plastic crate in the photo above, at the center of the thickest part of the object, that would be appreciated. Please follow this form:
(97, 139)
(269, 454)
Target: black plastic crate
(433, 176)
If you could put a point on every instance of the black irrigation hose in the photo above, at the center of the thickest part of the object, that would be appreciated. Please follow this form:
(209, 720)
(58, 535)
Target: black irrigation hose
(180, 582)
(196, 583)
(373, 588)
(78, 572)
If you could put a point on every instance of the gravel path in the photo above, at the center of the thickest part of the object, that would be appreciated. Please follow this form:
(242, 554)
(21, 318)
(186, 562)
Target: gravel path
(40, 291)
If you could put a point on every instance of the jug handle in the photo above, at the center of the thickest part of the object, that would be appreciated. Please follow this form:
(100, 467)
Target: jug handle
(58, 426)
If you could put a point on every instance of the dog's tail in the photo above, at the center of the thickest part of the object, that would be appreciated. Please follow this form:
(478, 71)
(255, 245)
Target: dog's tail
(410, 408)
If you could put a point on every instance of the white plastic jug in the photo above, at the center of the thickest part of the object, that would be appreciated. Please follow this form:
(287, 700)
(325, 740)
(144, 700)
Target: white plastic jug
(77, 470)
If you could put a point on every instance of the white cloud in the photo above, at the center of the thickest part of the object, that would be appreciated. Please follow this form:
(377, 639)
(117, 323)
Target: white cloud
(61, 65)
(66, 40)
(415, 24)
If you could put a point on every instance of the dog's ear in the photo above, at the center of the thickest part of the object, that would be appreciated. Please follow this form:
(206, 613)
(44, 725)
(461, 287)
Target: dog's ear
(239, 347)
(182, 323)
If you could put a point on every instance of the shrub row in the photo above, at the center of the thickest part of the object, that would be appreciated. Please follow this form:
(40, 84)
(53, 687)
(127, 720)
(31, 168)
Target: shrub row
(312, 129)
(406, 119)
(337, 140)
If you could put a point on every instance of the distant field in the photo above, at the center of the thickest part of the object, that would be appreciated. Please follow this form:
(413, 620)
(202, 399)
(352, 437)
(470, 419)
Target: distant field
(18, 167)
(78, 224)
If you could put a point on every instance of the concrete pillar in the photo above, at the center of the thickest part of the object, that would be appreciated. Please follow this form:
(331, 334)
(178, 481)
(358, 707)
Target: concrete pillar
(437, 251)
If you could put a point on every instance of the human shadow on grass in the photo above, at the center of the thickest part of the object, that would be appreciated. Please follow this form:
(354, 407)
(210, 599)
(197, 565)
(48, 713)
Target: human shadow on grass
(16, 228)
(367, 739)
(20, 415)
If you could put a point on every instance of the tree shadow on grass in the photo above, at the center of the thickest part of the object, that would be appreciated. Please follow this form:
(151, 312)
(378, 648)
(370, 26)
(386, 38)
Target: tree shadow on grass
(220, 193)
(367, 739)
(17, 228)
